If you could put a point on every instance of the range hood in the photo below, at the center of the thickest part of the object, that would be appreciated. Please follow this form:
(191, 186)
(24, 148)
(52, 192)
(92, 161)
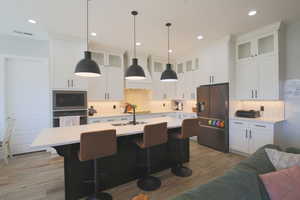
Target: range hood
(143, 62)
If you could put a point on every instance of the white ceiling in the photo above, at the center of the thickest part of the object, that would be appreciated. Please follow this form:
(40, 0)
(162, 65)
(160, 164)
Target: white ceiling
(112, 22)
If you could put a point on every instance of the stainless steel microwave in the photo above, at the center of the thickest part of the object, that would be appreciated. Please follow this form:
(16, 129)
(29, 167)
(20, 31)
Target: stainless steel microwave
(69, 100)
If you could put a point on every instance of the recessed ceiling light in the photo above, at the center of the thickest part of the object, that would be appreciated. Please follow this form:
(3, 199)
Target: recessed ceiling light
(138, 44)
(252, 12)
(200, 37)
(32, 21)
(170, 50)
(93, 34)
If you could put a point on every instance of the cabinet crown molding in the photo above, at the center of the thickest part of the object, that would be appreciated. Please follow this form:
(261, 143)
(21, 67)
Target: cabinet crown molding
(258, 32)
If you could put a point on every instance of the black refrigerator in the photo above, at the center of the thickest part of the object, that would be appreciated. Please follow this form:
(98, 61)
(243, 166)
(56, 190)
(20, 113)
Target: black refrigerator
(213, 112)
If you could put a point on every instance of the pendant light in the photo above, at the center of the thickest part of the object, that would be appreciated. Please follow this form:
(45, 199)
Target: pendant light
(169, 75)
(87, 67)
(135, 72)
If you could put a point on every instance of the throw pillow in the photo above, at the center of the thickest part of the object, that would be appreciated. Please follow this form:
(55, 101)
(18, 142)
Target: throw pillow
(283, 184)
(282, 160)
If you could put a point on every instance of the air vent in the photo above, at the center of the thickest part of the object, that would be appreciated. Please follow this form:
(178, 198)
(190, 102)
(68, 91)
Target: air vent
(23, 33)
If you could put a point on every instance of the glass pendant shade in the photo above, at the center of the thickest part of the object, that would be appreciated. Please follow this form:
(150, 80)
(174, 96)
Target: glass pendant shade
(135, 72)
(169, 75)
(87, 67)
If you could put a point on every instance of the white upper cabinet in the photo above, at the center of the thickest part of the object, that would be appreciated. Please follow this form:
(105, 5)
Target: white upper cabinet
(64, 56)
(257, 65)
(214, 63)
(161, 90)
(110, 85)
(263, 45)
(180, 83)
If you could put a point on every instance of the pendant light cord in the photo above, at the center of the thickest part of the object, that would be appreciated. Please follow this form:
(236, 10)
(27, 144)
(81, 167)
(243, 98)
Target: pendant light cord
(87, 25)
(134, 37)
(168, 44)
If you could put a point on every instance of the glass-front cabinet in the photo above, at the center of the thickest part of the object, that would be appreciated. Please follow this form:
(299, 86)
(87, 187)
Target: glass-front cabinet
(264, 45)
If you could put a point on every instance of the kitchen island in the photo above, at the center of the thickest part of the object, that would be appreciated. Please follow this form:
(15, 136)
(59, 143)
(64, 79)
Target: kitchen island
(123, 167)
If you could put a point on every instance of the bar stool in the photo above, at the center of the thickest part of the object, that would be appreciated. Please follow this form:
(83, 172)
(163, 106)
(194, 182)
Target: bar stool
(94, 145)
(189, 128)
(154, 134)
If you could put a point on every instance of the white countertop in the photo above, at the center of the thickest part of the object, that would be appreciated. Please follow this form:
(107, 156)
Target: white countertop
(259, 120)
(128, 114)
(51, 137)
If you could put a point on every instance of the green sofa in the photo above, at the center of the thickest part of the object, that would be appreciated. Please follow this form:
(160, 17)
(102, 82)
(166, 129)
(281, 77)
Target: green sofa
(239, 183)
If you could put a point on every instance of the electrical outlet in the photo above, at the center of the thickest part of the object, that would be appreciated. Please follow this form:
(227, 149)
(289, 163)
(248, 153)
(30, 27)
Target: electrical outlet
(262, 108)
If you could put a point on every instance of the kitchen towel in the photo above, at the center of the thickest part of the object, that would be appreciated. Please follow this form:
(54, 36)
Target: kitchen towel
(69, 121)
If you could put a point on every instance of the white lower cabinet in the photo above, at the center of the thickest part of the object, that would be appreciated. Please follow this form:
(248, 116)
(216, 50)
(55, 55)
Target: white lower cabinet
(247, 137)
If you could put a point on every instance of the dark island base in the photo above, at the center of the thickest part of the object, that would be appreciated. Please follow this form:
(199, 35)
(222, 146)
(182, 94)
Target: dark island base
(127, 165)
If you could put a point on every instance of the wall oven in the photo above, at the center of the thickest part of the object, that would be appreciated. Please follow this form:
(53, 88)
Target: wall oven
(69, 103)
(69, 100)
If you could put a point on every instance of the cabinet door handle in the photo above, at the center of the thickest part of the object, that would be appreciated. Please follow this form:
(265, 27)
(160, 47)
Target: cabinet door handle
(238, 122)
(261, 126)
(107, 95)
(252, 93)
(250, 134)
(68, 83)
(256, 94)
(213, 79)
(246, 133)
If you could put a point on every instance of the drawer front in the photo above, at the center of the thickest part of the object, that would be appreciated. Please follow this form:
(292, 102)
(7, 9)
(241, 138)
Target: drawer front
(238, 123)
(262, 126)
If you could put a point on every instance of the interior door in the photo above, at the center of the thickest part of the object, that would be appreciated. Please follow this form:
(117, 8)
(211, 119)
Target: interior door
(27, 100)
(203, 101)
(219, 101)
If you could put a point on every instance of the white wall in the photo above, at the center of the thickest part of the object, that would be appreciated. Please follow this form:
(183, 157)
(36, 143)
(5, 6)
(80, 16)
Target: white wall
(292, 105)
(17, 46)
(12, 45)
(2, 107)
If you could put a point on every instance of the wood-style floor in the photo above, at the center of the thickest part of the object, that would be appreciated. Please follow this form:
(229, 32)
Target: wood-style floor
(39, 176)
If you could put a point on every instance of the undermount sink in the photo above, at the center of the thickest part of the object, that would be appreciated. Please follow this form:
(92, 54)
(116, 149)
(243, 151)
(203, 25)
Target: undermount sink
(128, 123)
